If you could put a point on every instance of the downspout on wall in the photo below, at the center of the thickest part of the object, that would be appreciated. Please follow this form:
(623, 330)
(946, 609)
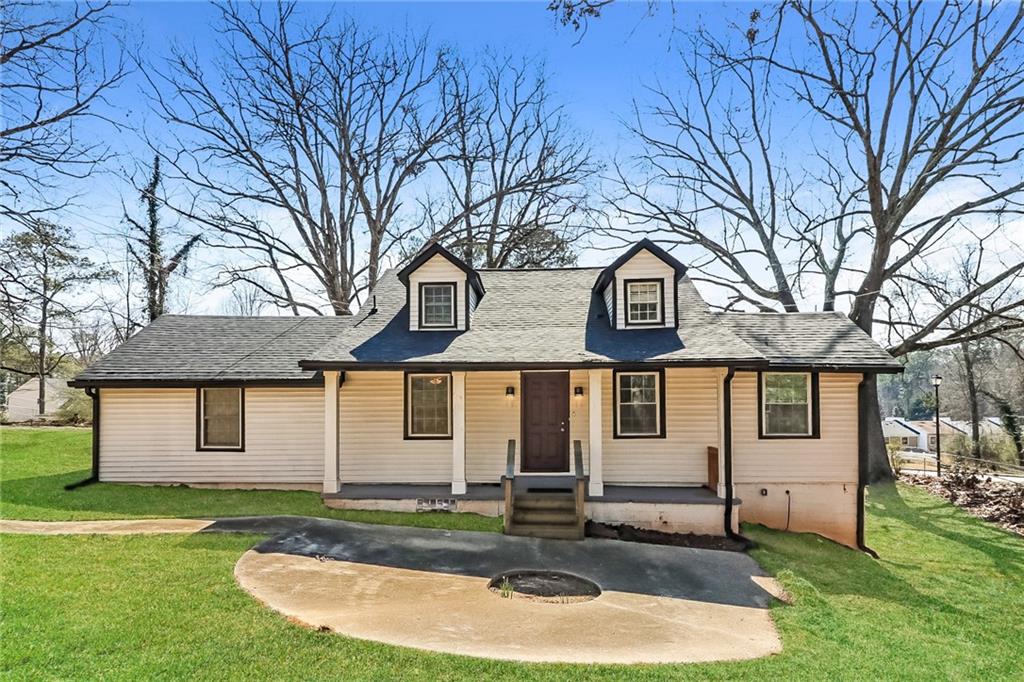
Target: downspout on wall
(93, 393)
(862, 464)
(727, 459)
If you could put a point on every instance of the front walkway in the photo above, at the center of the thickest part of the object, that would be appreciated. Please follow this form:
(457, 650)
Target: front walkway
(427, 589)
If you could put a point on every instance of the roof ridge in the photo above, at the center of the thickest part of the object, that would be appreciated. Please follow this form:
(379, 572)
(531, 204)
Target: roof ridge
(301, 321)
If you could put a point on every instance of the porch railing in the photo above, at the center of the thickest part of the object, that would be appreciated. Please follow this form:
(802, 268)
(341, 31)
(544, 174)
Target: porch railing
(581, 485)
(506, 483)
(713, 467)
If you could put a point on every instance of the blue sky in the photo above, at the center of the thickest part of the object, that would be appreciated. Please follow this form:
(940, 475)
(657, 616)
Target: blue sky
(594, 75)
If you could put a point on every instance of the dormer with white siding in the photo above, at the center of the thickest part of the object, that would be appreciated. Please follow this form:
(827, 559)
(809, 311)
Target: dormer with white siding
(441, 290)
(640, 288)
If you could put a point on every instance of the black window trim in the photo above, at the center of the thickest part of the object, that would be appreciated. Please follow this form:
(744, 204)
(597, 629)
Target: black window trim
(660, 371)
(815, 409)
(406, 412)
(455, 300)
(200, 447)
(660, 322)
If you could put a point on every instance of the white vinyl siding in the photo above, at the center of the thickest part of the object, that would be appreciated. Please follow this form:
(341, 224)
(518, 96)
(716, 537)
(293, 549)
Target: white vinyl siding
(491, 420)
(437, 269)
(372, 445)
(149, 435)
(645, 265)
(609, 300)
(691, 425)
(830, 458)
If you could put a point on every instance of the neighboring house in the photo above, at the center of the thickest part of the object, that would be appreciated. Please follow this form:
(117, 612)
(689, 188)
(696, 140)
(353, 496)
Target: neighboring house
(611, 393)
(23, 402)
(949, 430)
(902, 433)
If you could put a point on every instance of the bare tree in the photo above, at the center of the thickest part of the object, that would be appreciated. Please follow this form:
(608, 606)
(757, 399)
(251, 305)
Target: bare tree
(313, 148)
(146, 245)
(56, 74)
(511, 145)
(41, 272)
(909, 133)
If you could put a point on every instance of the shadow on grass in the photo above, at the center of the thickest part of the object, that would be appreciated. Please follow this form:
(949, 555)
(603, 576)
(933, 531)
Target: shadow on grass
(831, 569)
(943, 521)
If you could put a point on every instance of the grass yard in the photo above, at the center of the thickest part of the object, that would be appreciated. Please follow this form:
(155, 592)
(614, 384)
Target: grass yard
(37, 463)
(946, 600)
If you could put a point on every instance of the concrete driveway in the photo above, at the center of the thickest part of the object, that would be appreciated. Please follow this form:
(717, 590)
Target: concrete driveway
(427, 589)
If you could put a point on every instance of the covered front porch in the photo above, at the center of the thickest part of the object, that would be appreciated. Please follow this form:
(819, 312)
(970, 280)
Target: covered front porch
(563, 460)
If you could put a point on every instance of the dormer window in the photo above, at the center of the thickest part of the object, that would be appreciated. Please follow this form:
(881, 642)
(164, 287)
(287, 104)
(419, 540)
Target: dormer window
(442, 291)
(645, 302)
(437, 305)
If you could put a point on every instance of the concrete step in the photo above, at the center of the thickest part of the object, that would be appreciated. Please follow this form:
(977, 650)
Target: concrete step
(556, 532)
(544, 516)
(544, 501)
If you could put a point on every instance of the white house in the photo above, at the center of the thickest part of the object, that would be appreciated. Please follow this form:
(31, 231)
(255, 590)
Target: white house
(904, 433)
(547, 396)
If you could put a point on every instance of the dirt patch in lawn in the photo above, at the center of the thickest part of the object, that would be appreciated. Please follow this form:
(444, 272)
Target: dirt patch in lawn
(995, 501)
(655, 537)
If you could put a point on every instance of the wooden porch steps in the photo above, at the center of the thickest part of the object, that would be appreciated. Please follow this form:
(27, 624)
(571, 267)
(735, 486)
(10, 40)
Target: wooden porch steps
(546, 515)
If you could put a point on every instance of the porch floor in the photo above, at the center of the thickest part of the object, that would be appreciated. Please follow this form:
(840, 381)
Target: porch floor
(492, 491)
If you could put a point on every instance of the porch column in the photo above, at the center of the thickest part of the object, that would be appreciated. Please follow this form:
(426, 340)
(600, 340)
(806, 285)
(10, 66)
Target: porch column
(721, 432)
(330, 432)
(458, 433)
(595, 435)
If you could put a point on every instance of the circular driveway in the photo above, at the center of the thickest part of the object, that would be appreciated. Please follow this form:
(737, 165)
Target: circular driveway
(427, 589)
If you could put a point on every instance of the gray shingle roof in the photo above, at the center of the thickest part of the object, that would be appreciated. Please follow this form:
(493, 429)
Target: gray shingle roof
(527, 318)
(217, 348)
(533, 317)
(802, 339)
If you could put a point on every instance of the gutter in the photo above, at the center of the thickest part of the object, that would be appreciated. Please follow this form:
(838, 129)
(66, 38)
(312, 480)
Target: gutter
(727, 456)
(862, 466)
(93, 393)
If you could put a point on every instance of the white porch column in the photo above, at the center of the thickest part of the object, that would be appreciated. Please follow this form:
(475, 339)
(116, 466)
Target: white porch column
(458, 433)
(595, 435)
(330, 432)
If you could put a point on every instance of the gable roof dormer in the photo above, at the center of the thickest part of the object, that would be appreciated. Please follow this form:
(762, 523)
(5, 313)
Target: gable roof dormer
(640, 288)
(441, 290)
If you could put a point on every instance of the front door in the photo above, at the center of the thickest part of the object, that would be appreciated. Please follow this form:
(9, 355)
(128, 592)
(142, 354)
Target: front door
(545, 421)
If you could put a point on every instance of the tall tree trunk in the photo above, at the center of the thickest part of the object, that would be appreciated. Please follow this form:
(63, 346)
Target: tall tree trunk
(972, 399)
(41, 358)
(879, 468)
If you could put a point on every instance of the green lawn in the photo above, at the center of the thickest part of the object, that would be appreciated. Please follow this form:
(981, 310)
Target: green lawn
(946, 600)
(38, 462)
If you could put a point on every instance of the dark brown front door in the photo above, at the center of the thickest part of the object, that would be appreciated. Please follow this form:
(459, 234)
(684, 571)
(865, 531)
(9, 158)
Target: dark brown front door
(545, 421)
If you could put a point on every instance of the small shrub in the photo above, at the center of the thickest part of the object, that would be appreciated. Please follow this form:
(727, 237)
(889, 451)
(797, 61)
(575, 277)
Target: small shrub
(506, 589)
(77, 409)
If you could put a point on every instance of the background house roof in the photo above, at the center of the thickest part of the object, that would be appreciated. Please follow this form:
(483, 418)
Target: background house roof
(810, 339)
(190, 348)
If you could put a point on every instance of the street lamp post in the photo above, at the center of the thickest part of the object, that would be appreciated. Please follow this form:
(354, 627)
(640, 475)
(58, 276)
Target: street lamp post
(936, 381)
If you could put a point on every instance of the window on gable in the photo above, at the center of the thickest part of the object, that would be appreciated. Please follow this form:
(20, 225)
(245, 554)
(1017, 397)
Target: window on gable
(638, 401)
(437, 305)
(644, 302)
(787, 404)
(428, 406)
(221, 413)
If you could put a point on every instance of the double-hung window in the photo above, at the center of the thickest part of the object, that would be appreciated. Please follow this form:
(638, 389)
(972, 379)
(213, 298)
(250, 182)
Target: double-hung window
(788, 404)
(221, 415)
(639, 398)
(437, 305)
(644, 302)
(428, 411)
